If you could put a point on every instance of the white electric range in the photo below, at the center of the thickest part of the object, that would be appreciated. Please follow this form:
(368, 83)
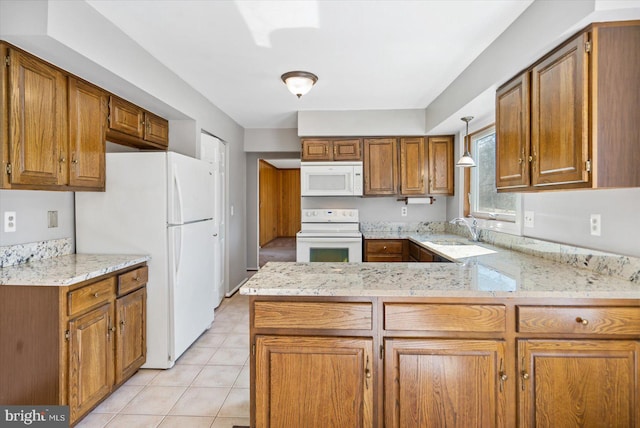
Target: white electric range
(329, 235)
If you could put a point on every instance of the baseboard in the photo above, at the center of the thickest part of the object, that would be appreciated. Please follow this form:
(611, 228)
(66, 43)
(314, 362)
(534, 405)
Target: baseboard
(237, 287)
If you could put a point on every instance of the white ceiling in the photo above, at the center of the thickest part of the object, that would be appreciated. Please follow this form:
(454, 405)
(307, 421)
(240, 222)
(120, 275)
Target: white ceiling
(368, 55)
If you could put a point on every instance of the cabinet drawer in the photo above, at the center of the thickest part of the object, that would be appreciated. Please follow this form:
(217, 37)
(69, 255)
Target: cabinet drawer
(90, 296)
(576, 319)
(132, 280)
(384, 258)
(324, 315)
(384, 247)
(444, 317)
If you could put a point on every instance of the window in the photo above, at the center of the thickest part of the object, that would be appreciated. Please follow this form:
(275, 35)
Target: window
(485, 202)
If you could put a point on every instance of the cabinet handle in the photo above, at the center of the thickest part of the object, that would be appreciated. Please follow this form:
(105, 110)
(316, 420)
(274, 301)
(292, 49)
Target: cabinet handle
(367, 374)
(75, 161)
(520, 160)
(96, 294)
(502, 375)
(524, 374)
(62, 160)
(582, 321)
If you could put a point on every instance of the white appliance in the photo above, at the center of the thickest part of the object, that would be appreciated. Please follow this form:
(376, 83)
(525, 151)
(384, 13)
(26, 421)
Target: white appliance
(331, 178)
(329, 236)
(161, 204)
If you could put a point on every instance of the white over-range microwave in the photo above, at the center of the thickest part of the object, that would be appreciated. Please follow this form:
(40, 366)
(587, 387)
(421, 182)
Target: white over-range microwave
(331, 178)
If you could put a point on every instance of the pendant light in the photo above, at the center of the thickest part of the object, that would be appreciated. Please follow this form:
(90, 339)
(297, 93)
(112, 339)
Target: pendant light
(299, 82)
(466, 161)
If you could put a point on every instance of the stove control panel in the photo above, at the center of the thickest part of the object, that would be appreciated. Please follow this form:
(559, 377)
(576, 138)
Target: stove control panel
(330, 216)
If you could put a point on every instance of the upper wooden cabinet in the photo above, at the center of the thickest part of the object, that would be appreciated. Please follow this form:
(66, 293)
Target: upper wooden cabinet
(565, 123)
(380, 166)
(131, 125)
(412, 166)
(440, 165)
(87, 130)
(333, 149)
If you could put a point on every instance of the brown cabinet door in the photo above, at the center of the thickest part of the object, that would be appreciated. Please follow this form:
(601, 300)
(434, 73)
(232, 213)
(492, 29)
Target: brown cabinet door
(313, 382)
(90, 359)
(87, 134)
(37, 122)
(512, 134)
(156, 129)
(412, 165)
(441, 165)
(317, 150)
(131, 331)
(574, 383)
(445, 383)
(347, 150)
(126, 117)
(380, 166)
(559, 117)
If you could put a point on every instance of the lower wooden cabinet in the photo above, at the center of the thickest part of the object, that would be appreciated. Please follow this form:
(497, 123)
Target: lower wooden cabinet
(72, 345)
(444, 383)
(579, 383)
(385, 250)
(444, 362)
(314, 382)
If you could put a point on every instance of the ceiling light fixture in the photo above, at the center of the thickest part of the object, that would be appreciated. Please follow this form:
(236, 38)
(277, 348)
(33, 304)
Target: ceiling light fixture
(466, 161)
(299, 82)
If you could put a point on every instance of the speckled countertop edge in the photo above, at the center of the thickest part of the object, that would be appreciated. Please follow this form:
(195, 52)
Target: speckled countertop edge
(67, 269)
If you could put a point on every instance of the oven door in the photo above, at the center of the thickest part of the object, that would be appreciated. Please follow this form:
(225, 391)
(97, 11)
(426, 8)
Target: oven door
(328, 249)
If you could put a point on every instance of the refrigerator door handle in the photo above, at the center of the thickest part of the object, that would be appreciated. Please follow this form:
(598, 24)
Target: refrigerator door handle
(177, 206)
(177, 254)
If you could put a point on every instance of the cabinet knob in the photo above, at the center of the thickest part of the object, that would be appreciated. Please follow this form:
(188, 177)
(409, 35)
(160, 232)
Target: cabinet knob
(384, 247)
(96, 294)
(525, 375)
(520, 160)
(582, 321)
(62, 160)
(75, 161)
(136, 279)
(503, 376)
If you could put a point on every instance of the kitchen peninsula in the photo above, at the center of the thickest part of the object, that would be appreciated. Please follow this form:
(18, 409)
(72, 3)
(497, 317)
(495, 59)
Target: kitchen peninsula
(498, 339)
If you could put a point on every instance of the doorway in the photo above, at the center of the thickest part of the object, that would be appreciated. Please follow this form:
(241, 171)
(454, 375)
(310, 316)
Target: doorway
(278, 210)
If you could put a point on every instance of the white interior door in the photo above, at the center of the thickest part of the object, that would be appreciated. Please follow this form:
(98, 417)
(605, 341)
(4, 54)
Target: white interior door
(213, 151)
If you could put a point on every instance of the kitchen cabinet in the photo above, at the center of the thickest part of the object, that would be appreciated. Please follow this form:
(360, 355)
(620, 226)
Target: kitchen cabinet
(447, 361)
(35, 140)
(580, 133)
(386, 250)
(418, 253)
(332, 149)
(314, 382)
(87, 133)
(92, 334)
(441, 164)
(380, 166)
(55, 134)
(444, 383)
(133, 126)
(412, 166)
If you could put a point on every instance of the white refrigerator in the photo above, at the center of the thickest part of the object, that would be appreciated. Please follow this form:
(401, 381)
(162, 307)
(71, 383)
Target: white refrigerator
(160, 204)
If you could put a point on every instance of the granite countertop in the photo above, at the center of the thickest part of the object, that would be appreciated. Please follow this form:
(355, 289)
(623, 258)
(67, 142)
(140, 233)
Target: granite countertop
(68, 269)
(490, 272)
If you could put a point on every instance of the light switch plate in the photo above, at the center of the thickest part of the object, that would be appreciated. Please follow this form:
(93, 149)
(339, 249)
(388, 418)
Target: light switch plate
(52, 219)
(529, 219)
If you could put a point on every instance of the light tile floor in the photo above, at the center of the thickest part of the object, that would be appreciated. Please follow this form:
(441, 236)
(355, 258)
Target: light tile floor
(208, 387)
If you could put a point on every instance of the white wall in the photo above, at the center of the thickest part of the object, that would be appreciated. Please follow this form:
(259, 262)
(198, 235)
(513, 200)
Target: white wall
(271, 140)
(361, 123)
(75, 37)
(31, 209)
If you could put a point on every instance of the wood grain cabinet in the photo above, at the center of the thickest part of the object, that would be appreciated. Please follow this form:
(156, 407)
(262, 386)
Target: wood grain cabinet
(441, 164)
(412, 166)
(55, 135)
(380, 166)
(133, 126)
(386, 250)
(563, 123)
(72, 345)
(332, 149)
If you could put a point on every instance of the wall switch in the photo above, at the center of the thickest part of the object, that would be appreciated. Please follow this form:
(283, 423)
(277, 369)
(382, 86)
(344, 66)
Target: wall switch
(595, 224)
(9, 221)
(403, 211)
(528, 219)
(52, 218)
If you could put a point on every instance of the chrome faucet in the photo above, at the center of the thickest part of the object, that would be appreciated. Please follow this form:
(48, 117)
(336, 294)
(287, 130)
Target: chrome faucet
(472, 226)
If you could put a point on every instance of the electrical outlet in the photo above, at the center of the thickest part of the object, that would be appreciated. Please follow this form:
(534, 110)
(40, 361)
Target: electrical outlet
(403, 211)
(9, 221)
(529, 219)
(595, 224)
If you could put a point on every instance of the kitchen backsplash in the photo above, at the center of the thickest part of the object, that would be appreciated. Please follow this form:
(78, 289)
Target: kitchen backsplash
(625, 267)
(413, 227)
(22, 253)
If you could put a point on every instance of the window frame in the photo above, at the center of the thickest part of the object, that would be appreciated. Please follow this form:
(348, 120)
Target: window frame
(507, 223)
